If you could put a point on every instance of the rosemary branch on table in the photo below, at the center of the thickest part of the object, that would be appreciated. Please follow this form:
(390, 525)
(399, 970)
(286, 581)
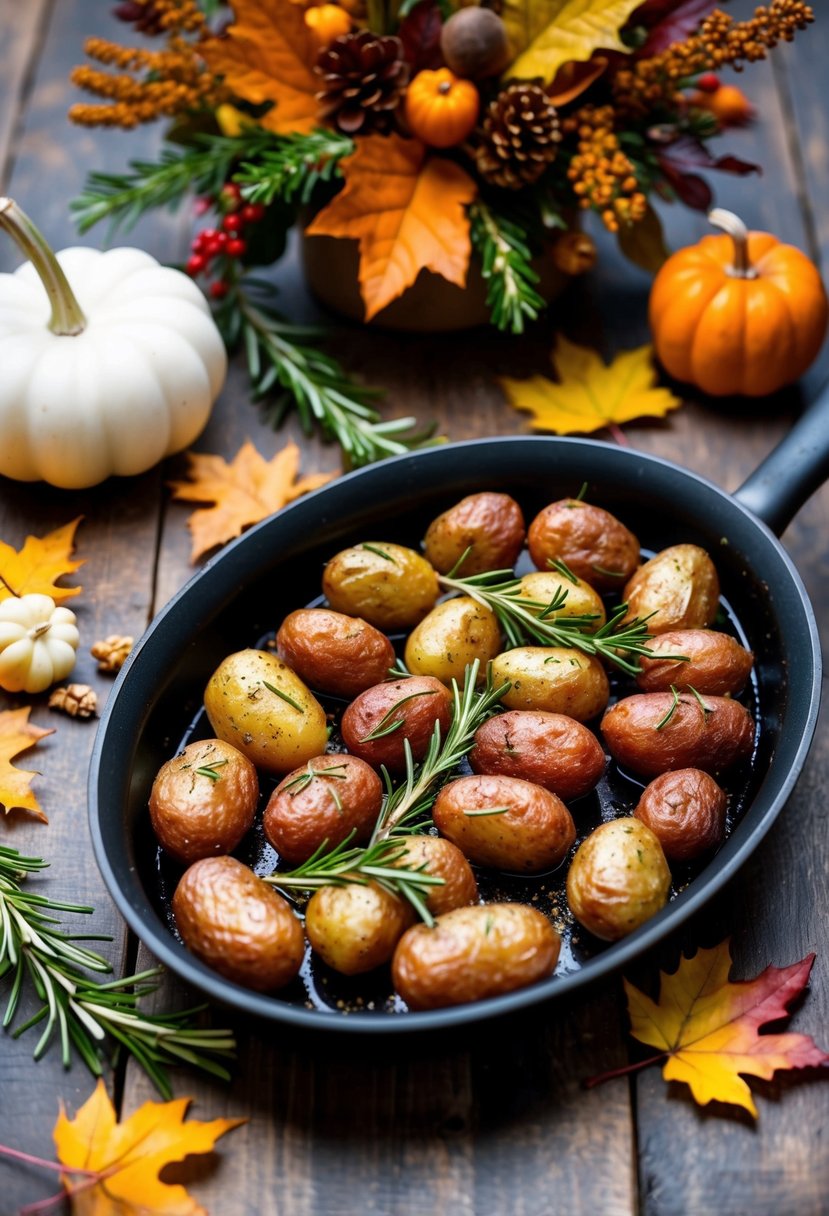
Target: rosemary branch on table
(82, 1010)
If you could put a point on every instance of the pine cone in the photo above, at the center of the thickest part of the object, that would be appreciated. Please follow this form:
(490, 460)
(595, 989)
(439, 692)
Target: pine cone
(364, 78)
(77, 700)
(519, 137)
(112, 652)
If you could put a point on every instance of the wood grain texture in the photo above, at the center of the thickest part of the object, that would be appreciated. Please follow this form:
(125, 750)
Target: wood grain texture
(22, 28)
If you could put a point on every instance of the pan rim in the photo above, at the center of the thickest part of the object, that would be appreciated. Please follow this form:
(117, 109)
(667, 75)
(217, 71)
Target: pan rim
(143, 919)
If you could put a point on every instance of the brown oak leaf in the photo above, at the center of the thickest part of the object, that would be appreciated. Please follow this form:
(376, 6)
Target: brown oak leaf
(42, 560)
(408, 211)
(244, 491)
(18, 734)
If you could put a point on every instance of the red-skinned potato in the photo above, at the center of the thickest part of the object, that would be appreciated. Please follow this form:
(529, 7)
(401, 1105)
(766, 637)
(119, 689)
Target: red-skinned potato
(442, 859)
(716, 663)
(652, 732)
(453, 635)
(556, 679)
(618, 879)
(238, 924)
(594, 544)
(337, 654)
(203, 801)
(416, 703)
(390, 586)
(490, 525)
(324, 801)
(676, 589)
(473, 953)
(355, 928)
(685, 810)
(533, 834)
(552, 750)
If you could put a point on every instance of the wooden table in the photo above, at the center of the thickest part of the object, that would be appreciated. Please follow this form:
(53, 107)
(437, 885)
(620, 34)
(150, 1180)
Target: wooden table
(497, 1122)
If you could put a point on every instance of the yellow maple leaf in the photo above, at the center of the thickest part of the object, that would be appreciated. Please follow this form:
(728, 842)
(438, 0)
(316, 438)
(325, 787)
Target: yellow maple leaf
(18, 734)
(244, 491)
(407, 210)
(546, 34)
(130, 1156)
(591, 394)
(267, 54)
(708, 1027)
(39, 563)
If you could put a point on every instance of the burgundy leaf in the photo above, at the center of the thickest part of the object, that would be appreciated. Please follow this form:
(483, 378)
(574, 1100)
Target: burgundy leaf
(689, 188)
(733, 164)
(690, 153)
(420, 34)
(670, 21)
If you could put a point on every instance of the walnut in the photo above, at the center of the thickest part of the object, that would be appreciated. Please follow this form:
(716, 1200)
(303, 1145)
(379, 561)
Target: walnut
(77, 700)
(112, 652)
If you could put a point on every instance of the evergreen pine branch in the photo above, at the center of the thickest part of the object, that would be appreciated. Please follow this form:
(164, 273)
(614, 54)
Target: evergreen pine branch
(506, 267)
(292, 166)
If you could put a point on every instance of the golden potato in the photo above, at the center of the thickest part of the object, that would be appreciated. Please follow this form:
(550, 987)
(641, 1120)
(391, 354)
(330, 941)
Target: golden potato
(454, 634)
(532, 834)
(444, 860)
(355, 928)
(238, 924)
(582, 599)
(490, 525)
(679, 586)
(651, 733)
(618, 879)
(474, 953)
(388, 585)
(260, 706)
(557, 679)
(203, 801)
(685, 810)
(716, 663)
(550, 749)
(335, 653)
(595, 544)
(323, 801)
(378, 723)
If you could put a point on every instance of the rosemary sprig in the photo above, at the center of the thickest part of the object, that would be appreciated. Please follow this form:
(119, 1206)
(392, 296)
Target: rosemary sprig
(81, 1010)
(506, 267)
(388, 724)
(291, 167)
(526, 620)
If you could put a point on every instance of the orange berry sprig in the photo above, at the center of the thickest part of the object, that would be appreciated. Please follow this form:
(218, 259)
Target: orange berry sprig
(602, 176)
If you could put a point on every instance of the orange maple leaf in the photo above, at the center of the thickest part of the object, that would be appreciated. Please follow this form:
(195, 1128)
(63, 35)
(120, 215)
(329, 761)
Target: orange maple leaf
(708, 1026)
(18, 734)
(267, 54)
(408, 212)
(128, 1157)
(39, 563)
(244, 491)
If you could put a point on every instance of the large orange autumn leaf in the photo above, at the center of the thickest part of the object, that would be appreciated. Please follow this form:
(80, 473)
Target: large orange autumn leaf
(267, 54)
(39, 563)
(131, 1155)
(407, 210)
(18, 734)
(708, 1027)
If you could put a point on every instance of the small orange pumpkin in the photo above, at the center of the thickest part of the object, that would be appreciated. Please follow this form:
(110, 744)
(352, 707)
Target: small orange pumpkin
(441, 109)
(740, 313)
(328, 21)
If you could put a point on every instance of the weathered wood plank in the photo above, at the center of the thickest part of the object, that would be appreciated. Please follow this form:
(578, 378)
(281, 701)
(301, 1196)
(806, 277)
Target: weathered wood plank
(22, 26)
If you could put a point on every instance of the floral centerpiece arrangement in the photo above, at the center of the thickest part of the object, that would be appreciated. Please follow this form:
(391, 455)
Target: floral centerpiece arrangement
(438, 138)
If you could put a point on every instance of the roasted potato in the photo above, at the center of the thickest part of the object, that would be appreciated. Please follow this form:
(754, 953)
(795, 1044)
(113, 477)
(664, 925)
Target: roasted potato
(618, 879)
(334, 653)
(454, 634)
(388, 585)
(505, 823)
(490, 525)
(260, 706)
(355, 928)
(652, 732)
(377, 723)
(203, 801)
(716, 663)
(685, 810)
(473, 953)
(238, 924)
(442, 859)
(595, 544)
(679, 586)
(550, 749)
(582, 599)
(324, 801)
(557, 679)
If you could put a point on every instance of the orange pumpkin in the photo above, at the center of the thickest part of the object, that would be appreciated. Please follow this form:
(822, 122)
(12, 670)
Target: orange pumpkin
(740, 313)
(441, 109)
(328, 21)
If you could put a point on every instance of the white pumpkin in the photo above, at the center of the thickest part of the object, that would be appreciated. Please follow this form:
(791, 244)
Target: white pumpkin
(123, 372)
(37, 643)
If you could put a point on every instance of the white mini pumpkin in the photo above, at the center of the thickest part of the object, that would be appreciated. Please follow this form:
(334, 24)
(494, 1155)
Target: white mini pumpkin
(37, 643)
(123, 373)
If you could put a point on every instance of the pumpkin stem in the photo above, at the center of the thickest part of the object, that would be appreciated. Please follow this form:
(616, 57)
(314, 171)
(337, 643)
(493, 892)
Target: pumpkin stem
(736, 229)
(67, 317)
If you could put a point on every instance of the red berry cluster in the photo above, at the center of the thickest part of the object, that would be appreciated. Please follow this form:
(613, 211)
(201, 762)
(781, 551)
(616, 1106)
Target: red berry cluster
(225, 242)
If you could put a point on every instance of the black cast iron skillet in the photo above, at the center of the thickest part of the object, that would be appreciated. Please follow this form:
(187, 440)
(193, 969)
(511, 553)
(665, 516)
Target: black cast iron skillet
(246, 590)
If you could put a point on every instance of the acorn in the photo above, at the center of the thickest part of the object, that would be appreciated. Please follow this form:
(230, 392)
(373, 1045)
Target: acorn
(474, 43)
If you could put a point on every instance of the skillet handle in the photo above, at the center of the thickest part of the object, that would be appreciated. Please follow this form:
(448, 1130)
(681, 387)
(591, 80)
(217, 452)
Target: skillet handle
(791, 473)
